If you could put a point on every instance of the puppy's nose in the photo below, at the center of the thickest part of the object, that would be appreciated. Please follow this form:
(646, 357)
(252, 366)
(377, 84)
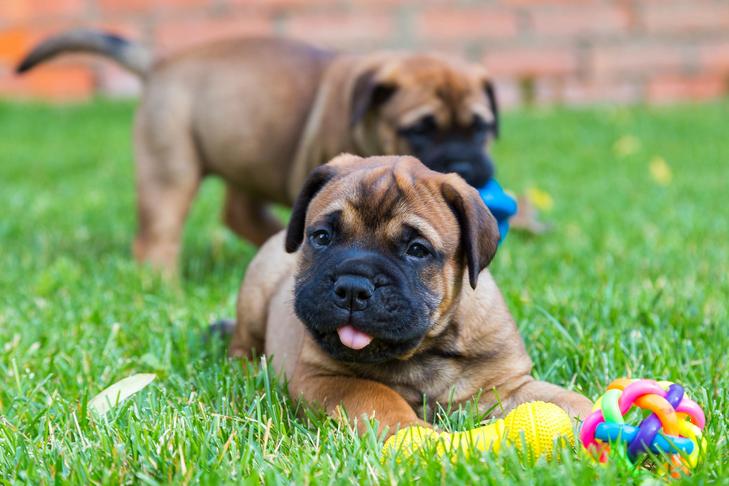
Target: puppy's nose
(352, 292)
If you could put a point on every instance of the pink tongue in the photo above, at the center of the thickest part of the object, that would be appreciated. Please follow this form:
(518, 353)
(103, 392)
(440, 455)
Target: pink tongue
(352, 338)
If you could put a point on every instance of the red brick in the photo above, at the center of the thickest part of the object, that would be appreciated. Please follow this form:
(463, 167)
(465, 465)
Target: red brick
(530, 61)
(579, 20)
(531, 3)
(714, 57)
(55, 8)
(685, 16)
(16, 42)
(448, 50)
(286, 6)
(340, 29)
(457, 24)
(181, 4)
(23, 10)
(637, 58)
(577, 91)
(542, 39)
(669, 88)
(126, 6)
(55, 81)
(147, 7)
(14, 10)
(184, 33)
(396, 3)
(507, 92)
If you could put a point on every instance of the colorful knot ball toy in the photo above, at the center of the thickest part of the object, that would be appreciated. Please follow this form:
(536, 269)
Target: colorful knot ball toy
(672, 427)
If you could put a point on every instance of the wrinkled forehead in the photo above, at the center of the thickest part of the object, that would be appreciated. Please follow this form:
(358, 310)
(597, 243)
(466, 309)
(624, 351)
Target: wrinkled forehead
(381, 205)
(449, 95)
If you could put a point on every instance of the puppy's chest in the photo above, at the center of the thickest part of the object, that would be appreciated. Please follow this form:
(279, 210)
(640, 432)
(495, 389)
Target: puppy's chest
(429, 379)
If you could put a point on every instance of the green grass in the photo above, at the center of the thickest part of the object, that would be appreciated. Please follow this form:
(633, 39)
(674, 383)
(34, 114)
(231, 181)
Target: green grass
(633, 280)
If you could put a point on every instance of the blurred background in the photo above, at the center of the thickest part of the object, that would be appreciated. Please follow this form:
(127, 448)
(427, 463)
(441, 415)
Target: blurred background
(539, 51)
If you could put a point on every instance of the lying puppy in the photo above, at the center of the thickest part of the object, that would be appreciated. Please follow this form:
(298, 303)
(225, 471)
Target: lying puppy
(377, 298)
(262, 113)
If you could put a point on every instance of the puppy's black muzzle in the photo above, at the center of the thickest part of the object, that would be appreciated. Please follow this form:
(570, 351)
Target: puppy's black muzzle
(375, 293)
(466, 160)
(477, 171)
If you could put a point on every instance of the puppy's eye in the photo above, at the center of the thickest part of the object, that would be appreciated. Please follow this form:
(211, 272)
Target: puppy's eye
(320, 238)
(418, 250)
(425, 126)
(479, 124)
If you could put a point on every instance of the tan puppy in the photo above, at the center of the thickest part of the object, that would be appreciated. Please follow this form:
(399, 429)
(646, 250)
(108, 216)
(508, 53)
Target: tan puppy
(262, 113)
(377, 298)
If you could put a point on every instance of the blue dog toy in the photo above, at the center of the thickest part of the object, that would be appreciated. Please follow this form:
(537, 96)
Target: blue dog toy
(501, 205)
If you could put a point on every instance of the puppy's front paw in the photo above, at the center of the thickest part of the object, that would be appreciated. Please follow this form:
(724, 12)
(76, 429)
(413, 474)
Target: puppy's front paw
(577, 406)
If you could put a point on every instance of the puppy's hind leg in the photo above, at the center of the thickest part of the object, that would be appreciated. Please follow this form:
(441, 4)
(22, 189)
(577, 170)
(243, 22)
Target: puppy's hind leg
(250, 219)
(168, 176)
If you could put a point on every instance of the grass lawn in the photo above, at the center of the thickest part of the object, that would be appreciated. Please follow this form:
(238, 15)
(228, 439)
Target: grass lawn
(633, 280)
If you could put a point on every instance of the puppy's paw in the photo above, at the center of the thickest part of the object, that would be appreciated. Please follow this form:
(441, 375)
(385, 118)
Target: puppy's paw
(577, 406)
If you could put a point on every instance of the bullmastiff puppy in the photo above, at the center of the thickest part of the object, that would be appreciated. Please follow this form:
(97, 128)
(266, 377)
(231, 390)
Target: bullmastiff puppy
(376, 301)
(262, 113)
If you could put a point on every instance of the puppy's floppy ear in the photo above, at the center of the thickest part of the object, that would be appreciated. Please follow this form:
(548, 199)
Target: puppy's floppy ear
(490, 91)
(479, 231)
(318, 178)
(368, 93)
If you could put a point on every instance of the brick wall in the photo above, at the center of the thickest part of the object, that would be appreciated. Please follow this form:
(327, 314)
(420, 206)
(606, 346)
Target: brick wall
(543, 51)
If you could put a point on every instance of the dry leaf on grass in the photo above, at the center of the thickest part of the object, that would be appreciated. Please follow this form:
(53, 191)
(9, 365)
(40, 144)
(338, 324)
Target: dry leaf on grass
(119, 391)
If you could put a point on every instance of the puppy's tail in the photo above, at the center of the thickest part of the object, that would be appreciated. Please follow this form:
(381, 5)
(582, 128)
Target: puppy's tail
(130, 55)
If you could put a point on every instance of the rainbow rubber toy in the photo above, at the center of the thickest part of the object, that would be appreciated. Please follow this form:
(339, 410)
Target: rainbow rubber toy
(672, 427)
(534, 427)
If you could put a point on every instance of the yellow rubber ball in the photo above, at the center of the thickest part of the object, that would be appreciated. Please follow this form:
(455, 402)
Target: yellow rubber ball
(540, 424)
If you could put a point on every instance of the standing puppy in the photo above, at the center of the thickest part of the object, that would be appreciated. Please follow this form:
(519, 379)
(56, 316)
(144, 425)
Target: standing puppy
(262, 113)
(377, 298)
